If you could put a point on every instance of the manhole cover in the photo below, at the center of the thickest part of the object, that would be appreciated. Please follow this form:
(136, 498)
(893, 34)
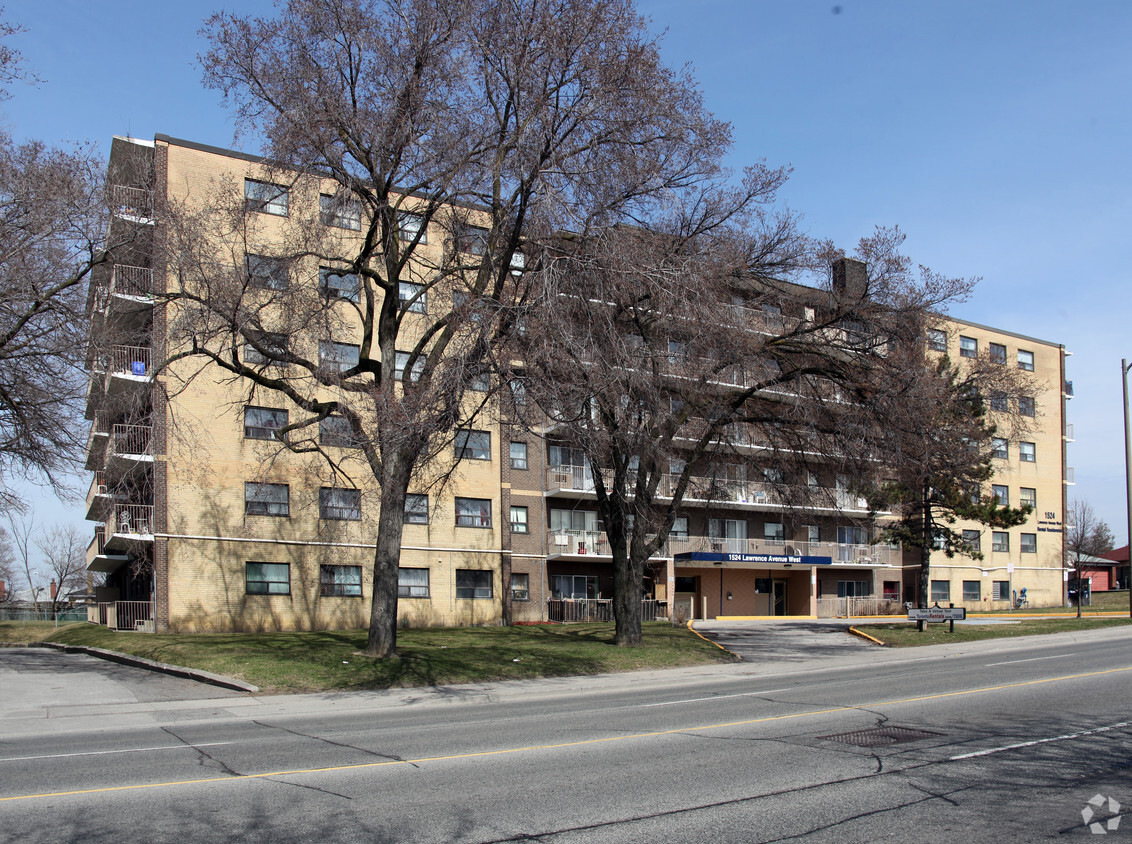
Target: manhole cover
(881, 736)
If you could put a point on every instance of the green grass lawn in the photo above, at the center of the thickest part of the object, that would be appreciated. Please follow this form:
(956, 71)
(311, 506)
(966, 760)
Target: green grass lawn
(1101, 602)
(22, 632)
(905, 635)
(332, 660)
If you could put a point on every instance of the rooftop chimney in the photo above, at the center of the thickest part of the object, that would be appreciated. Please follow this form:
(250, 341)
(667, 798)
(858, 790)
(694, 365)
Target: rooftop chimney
(850, 279)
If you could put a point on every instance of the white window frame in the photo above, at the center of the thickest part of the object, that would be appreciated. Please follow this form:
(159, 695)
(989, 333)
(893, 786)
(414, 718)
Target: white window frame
(1027, 452)
(413, 582)
(968, 347)
(519, 519)
(1000, 541)
(519, 456)
(473, 513)
(1026, 360)
(1028, 543)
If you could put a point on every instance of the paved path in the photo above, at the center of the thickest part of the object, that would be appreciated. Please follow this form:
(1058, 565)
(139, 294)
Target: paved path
(36, 682)
(784, 642)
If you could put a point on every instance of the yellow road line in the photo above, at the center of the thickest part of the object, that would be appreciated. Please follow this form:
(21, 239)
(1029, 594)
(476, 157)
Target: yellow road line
(580, 743)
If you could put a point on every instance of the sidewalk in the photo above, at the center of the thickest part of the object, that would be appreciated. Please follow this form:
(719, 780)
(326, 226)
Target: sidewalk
(43, 716)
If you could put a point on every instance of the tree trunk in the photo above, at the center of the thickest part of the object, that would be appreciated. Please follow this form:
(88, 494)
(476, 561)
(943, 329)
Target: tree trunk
(627, 579)
(382, 640)
(925, 556)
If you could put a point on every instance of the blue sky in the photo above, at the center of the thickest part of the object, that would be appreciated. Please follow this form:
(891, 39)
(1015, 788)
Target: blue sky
(997, 135)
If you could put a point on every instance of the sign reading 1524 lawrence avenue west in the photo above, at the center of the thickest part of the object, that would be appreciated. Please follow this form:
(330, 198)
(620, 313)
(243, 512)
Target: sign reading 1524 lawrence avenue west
(937, 614)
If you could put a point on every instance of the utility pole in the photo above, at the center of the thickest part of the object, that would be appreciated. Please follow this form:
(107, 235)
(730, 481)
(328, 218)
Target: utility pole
(1124, 367)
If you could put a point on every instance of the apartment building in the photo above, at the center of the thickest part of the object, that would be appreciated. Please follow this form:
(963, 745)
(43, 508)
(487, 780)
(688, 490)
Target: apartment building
(203, 523)
(1022, 564)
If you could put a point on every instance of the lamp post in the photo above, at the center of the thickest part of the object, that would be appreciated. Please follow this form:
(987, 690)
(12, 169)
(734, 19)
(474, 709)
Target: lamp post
(1124, 367)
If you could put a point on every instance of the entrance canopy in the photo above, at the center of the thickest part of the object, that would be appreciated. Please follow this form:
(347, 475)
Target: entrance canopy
(747, 560)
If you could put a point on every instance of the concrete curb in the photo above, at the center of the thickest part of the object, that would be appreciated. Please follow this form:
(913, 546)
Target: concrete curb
(713, 642)
(865, 635)
(151, 665)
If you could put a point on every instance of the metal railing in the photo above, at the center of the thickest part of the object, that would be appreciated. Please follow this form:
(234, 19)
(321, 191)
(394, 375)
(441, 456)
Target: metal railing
(136, 202)
(130, 360)
(838, 552)
(576, 610)
(720, 489)
(858, 606)
(131, 439)
(131, 281)
(131, 519)
(123, 615)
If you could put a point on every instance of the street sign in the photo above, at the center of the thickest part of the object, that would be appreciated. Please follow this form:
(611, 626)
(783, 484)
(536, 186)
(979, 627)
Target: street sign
(938, 614)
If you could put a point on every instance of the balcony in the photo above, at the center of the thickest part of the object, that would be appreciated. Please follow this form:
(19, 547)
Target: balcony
(1068, 435)
(98, 558)
(1070, 476)
(129, 292)
(128, 446)
(96, 442)
(135, 204)
(127, 524)
(838, 552)
(98, 498)
(578, 482)
(123, 615)
(576, 543)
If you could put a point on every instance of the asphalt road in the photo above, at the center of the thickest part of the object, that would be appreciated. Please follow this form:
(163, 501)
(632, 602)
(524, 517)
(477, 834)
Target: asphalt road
(989, 741)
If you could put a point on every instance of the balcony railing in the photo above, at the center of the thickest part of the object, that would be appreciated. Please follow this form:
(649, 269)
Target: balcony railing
(131, 281)
(574, 610)
(133, 440)
(721, 490)
(135, 520)
(577, 542)
(838, 552)
(134, 202)
(96, 545)
(123, 615)
(130, 360)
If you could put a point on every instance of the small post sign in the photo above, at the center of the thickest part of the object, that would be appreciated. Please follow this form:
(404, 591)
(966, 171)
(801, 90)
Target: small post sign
(938, 614)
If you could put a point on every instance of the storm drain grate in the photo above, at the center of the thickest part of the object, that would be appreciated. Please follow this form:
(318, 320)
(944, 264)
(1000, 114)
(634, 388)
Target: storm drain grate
(881, 736)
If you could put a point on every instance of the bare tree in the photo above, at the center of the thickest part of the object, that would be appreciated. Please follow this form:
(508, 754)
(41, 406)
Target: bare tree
(7, 567)
(63, 560)
(452, 139)
(21, 529)
(680, 358)
(1086, 535)
(53, 214)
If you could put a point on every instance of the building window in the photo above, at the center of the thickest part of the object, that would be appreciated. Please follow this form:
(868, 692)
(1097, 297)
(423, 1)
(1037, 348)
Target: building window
(679, 527)
(267, 499)
(1001, 494)
(473, 512)
(1001, 590)
(773, 533)
(340, 581)
(518, 455)
(1026, 406)
(410, 225)
(972, 590)
(1000, 541)
(968, 347)
(338, 284)
(341, 211)
(941, 591)
(268, 273)
(473, 583)
(519, 520)
(412, 297)
(1027, 452)
(472, 239)
(997, 353)
(853, 589)
(267, 578)
(416, 509)
(261, 423)
(273, 346)
(480, 380)
(412, 583)
(336, 431)
(265, 197)
(890, 590)
(401, 360)
(813, 533)
(340, 504)
(1028, 497)
(1029, 543)
(337, 357)
(973, 540)
(999, 448)
(473, 445)
(520, 587)
(998, 401)
(1026, 360)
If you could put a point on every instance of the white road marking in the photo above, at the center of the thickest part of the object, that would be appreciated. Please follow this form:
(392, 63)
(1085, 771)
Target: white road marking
(714, 697)
(1031, 659)
(1043, 741)
(124, 750)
